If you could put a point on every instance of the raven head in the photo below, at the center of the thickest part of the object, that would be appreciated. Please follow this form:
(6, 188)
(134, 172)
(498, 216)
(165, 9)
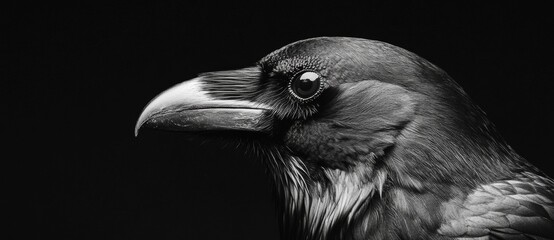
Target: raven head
(342, 122)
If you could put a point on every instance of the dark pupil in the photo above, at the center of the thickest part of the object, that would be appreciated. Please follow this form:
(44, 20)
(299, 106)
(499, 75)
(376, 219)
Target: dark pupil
(306, 87)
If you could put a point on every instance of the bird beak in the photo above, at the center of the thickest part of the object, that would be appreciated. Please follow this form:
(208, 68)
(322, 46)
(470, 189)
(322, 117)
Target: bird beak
(194, 105)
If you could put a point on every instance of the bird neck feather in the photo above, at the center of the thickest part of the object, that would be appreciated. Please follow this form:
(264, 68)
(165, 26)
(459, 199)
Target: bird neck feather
(323, 208)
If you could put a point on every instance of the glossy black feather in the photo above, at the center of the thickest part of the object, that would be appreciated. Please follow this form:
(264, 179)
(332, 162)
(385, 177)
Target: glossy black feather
(516, 208)
(398, 116)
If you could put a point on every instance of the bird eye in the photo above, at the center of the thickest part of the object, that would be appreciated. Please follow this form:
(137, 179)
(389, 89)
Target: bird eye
(305, 85)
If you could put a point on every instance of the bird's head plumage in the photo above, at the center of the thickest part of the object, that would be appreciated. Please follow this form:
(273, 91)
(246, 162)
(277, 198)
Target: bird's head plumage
(338, 121)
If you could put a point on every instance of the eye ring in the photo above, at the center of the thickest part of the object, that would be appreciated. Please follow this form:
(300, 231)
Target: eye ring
(306, 85)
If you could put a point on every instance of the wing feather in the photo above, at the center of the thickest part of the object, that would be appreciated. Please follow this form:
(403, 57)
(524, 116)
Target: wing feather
(520, 208)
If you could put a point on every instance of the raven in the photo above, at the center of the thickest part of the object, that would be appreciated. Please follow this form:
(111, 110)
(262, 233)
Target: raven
(366, 140)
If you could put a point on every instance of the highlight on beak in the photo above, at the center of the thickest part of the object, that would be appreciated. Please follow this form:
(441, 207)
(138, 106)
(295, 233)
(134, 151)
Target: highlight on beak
(188, 107)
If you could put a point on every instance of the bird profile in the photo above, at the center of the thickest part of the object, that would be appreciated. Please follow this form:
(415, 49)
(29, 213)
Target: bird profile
(366, 140)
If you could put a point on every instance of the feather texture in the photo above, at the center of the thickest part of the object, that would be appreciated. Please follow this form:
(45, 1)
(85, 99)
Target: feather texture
(518, 208)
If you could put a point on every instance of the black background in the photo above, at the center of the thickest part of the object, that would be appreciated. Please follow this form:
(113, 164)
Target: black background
(79, 75)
